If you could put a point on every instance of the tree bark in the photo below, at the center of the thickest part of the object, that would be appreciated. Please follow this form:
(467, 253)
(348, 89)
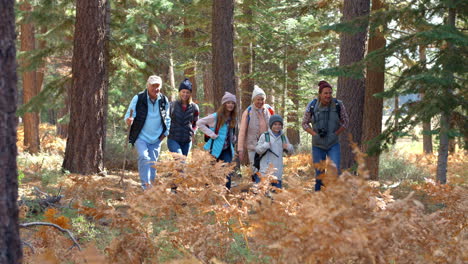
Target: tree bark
(373, 106)
(30, 86)
(223, 49)
(10, 243)
(352, 91)
(292, 91)
(87, 129)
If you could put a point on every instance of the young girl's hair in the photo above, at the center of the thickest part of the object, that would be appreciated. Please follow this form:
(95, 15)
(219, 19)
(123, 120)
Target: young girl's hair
(221, 116)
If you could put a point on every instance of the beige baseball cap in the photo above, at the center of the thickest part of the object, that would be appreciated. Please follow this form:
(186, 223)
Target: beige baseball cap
(154, 79)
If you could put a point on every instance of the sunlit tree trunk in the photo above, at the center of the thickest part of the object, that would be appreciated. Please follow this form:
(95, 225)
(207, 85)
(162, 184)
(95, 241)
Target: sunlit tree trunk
(10, 243)
(373, 106)
(30, 87)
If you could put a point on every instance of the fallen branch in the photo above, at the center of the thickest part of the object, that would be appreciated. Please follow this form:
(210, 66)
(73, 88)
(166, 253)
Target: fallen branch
(70, 234)
(29, 246)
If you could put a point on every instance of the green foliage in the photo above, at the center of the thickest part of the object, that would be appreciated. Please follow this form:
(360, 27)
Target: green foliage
(20, 177)
(394, 167)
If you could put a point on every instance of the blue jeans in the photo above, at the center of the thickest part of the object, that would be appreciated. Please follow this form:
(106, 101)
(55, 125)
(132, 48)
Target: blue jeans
(226, 156)
(147, 155)
(179, 147)
(319, 154)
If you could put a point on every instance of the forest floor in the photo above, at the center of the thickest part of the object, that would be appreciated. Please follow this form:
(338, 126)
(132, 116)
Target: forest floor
(117, 223)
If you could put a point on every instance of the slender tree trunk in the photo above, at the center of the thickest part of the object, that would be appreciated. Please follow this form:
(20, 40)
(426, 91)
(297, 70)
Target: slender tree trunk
(282, 108)
(426, 125)
(373, 106)
(292, 91)
(352, 91)
(223, 49)
(208, 90)
(171, 78)
(62, 126)
(191, 70)
(30, 87)
(445, 118)
(87, 129)
(10, 242)
(452, 140)
(396, 107)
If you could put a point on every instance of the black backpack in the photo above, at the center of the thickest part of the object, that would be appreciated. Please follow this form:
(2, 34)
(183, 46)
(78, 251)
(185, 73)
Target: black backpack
(314, 102)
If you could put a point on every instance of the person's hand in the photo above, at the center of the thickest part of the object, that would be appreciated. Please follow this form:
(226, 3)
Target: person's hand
(129, 121)
(312, 132)
(285, 146)
(214, 136)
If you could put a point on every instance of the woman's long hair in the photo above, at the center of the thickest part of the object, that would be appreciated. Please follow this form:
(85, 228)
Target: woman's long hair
(221, 116)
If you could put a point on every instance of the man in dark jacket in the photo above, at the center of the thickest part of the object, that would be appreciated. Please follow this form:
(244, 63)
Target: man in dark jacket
(150, 123)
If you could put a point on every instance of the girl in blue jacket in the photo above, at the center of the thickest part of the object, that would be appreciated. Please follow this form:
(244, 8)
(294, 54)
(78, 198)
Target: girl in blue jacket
(219, 127)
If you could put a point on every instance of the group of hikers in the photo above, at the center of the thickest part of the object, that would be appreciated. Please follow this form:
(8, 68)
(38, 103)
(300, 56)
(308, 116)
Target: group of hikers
(152, 118)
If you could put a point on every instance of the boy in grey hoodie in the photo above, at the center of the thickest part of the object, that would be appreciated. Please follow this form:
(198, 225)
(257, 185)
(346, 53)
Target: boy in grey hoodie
(271, 145)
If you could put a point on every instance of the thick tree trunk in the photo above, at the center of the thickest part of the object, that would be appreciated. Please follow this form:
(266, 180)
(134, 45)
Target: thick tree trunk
(223, 49)
(30, 87)
(293, 118)
(10, 243)
(208, 90)
(352, 91)
(87, 128)
(426, 125)
(246, 65)
(373, 106)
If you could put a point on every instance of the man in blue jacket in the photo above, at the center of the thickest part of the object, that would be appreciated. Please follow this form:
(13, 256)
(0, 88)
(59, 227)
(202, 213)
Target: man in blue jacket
(150, 123)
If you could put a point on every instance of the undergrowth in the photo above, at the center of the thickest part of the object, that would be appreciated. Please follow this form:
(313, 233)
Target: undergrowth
(350, 221)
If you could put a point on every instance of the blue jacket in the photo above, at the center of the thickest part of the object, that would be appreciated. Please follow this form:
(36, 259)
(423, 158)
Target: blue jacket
(218, 143)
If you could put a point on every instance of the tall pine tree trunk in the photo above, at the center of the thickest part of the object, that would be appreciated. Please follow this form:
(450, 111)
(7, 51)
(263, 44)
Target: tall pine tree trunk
(87, 129)
(30, 87)
(445, 118)
(426, 125)
(292, 91)
(352, 91)
(223, 49)
(246, 64)
(10, 243)
(373, 106)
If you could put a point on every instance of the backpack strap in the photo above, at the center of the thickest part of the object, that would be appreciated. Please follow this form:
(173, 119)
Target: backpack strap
(162, 105)
(312, 107)
(216, 130)
(267, 136)
(269, 109)
(283, 138)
